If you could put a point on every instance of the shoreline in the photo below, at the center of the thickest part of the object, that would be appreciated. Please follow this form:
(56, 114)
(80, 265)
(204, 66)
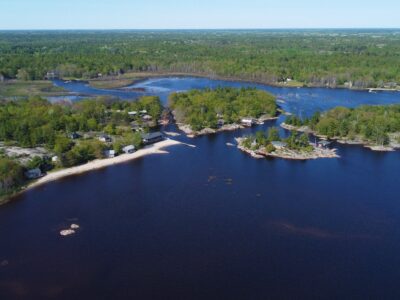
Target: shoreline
(186, 129)
(143, 76)
(149, 75)
(93, 165)
(190, 133)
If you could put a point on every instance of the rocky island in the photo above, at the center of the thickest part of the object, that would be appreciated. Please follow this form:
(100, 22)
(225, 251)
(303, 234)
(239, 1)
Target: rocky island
(296, 147)
(209, 111)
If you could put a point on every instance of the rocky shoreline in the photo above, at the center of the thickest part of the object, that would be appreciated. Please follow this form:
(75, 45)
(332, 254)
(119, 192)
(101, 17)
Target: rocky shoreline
(192, 133)
(227, 127)
(288, 153)
(390, 148)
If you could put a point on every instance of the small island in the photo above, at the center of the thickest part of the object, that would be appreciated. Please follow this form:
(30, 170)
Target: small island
(296, 147)
(200, 112)
(375, 127)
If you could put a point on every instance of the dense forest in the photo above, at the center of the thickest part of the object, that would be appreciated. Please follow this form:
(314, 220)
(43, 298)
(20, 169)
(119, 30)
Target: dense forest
(36, 122)
(359, 58)
(375, 124)
(11, 176)
(205, 108)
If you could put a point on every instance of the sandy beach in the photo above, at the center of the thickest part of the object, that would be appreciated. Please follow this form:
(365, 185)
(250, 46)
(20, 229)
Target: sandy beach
(102, 163)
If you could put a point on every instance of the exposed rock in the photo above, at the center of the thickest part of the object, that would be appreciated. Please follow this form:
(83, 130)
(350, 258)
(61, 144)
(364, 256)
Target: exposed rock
(300, 129)
(381, 148)
(4, 263)
(67, 232)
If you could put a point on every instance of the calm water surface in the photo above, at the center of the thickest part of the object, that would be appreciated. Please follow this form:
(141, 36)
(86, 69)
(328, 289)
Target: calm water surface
(211, 222)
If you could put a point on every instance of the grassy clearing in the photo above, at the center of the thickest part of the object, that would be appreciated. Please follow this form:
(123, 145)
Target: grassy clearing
(111, 83)
(29, 88)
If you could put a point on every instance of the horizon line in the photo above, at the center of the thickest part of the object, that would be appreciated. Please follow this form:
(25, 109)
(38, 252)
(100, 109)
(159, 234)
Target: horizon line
(183, 29)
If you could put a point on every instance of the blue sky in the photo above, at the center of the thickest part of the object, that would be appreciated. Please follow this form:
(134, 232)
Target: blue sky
(197, 14)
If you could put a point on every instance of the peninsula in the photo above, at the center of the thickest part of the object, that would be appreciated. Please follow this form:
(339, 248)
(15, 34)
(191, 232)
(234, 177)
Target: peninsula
(38, 137)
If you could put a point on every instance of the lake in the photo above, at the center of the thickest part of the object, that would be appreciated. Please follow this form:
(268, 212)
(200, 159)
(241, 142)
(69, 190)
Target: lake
(211, 222)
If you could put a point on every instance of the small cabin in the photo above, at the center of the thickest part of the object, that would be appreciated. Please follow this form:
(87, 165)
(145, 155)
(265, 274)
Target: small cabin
(279, 145)
(136, 127)
(33, 173)
(150, 138)
(105, 138)
(132, 113)
(147, 118)
(52, 75)
(109, 153)
(129, 149)
(54, 159)
(74, 136)
(247, 122)
(143, 112)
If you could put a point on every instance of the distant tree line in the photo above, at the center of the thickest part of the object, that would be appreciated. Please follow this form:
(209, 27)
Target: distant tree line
(358, 58)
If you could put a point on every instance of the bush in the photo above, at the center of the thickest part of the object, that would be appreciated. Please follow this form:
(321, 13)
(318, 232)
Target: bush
(11, 176)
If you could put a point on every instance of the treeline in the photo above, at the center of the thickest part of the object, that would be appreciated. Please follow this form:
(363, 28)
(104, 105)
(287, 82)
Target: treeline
(37, 122)
(358, 58)
(373, 124)
(11, 176)
(207, 108)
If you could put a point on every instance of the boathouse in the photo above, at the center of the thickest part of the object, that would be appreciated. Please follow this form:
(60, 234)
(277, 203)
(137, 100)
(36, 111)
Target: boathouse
(247, 122)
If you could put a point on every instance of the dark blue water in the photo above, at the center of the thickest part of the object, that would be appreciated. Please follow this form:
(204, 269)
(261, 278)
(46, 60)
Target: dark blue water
(213, 223)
